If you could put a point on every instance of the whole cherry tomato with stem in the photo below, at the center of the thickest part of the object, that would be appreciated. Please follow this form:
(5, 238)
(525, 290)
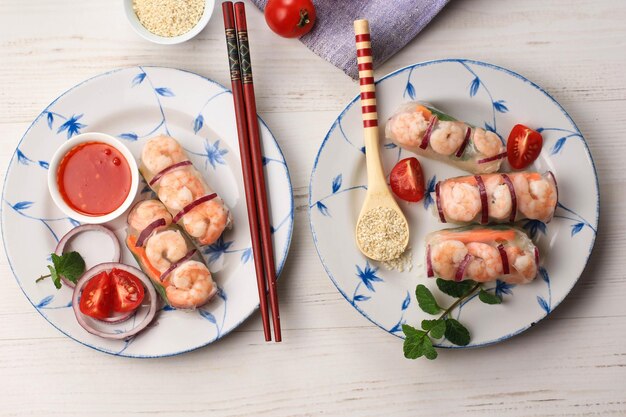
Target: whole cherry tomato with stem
(290, 18)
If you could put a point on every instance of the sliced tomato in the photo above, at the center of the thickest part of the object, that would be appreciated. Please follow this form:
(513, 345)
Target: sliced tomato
(407, 180)
(128, 291)
(523, 146)
(96, 300)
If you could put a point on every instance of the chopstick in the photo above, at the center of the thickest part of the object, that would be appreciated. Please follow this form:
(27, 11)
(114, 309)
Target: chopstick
(251, 162)
(257, 163)
(248, 181)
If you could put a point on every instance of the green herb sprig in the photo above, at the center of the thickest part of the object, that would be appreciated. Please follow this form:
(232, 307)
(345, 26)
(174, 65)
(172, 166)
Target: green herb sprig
(418, 342)
(70, 265)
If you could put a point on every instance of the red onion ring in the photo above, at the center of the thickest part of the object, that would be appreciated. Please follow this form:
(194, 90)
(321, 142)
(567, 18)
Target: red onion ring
(509, 184)
(492, 158)
(429, 264)
(193, 205)
(429, 130)
(442, 217)
(536, 256)
(87, 276)
(145, 233)
(164, 171)
(119, 317)
(461, 271)
(87, 228)
(177, 264)
(484, 203)
(505, 259)
(459, 153)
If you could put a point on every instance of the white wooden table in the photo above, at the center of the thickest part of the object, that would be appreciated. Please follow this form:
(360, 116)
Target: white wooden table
(333, 361)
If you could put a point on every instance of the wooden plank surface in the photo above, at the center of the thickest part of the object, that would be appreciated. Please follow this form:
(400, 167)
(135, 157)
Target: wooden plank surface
(332, 360)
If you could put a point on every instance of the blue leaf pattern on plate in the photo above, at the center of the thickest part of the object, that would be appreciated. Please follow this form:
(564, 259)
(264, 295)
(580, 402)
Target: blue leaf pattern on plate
(322, 208)
(474, 86)
(534, 226)
(407, 301)
(245, 255)
(164, 91)
(410, 90)
(503, 288)
(209, 316)
(138, 79)
(43, 164)
(128, 136)
(543, 304)
(22, 205)
(72, 126)
(214, 154)
(198, 123)
(557, 146)
(577, 228)
(390, 145)
(45, 301)
(500, 106)
(368, 276)
(361, 297)
(50, 120)
(337, 183)
(430, 188)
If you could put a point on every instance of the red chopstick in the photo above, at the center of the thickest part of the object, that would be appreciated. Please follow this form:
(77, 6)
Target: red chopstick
(257, 162)
(246, 167)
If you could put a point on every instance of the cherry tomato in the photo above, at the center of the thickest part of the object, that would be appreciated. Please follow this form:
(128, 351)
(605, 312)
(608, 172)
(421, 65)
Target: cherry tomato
(128, 293)
(523, 146)
(290, 18)
(407, 180)
(96, 300)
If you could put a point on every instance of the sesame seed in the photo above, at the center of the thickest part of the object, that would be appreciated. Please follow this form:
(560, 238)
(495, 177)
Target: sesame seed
(382, 234)
(168, 18)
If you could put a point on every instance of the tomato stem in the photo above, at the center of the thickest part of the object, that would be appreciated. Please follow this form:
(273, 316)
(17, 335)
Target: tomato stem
(304, 18)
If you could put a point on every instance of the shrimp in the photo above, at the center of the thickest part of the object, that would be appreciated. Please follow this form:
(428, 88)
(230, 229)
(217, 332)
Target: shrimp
(499, 197)
(190, 285)
(147, 211)
(487, 143)
(161, 152)
(447, 137)
(536, 197)
(460, 201)
(165, 248)
(486, 263)
(407, 128)
(179, 188)
(522, 262)
(207, 221)
(446, 258)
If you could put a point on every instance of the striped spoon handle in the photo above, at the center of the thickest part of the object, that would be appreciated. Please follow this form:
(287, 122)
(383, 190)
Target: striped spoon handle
(368, 103)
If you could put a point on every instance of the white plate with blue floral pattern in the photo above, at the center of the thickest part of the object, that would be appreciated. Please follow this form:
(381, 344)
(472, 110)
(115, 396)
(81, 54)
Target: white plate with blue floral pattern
(484, 95)
(134, 104)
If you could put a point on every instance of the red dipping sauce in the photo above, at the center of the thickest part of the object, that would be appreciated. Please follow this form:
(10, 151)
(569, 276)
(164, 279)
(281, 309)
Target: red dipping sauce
(94, 178)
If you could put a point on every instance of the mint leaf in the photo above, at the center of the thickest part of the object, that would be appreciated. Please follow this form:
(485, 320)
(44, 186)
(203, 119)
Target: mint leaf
(426, 300)
(55, 277)
(436, 327)
(455, 289)
(488, 298)
(428, 349)
(456, 333)
(70, 265)
(413, 342)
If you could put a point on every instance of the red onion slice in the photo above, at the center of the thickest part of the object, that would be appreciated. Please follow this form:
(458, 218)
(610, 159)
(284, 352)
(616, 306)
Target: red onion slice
(442, 217)
(484, 203)
(509, 183)
(164, 171)
(193, 205)
(145, 233)
(492, 158)
(459, 153)
(429, 130)
(87, 228)
(119, 317)
(177, 264)
(87, 276)
(536, 256)
(505, 259)
(429, 265)
(461, 271)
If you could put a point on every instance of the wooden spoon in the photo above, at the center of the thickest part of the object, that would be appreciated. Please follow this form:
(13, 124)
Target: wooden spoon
(378, 194)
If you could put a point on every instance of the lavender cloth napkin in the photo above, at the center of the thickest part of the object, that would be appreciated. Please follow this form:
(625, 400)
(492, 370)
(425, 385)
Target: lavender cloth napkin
(393, 23)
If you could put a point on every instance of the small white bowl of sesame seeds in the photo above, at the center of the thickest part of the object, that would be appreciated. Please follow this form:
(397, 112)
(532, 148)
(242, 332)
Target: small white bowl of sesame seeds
(168, 22)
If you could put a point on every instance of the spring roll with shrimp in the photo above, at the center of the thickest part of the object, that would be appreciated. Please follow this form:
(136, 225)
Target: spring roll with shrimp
(496, 198)
(428, 132)
(191, 201)
(482, 254)
(168, 257)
